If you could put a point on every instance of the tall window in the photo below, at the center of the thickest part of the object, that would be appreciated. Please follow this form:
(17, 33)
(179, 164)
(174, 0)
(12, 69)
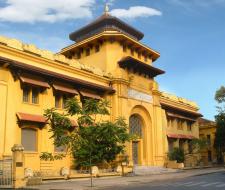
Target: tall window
(29, 139)
(64, 99)
(60, 100)
(209, 139)
(170, 122)
(189, 124)
(35, 93)
(31, 95)
(26, 93)
(179, 124)
(57, 100)
(135, 125)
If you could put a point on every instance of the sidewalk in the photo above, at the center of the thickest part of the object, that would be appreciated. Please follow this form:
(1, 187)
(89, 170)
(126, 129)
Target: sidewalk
(100, 183)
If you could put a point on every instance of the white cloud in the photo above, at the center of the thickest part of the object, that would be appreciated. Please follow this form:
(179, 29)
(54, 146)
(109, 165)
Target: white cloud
(136, 11)
(45, 10)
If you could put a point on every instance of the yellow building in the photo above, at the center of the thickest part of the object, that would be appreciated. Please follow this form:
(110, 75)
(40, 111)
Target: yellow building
(106, 60)
(207, 130)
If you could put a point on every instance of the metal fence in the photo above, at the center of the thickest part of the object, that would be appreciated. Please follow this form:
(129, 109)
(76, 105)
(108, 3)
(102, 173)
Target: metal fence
(6, 174)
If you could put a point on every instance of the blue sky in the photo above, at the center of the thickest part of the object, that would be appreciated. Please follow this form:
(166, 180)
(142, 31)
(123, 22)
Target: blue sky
(189, 34)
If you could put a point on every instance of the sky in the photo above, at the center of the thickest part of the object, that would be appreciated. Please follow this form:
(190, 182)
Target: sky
(189, 34)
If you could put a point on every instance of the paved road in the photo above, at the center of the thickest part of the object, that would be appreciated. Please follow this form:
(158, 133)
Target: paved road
(214, 181)
(181, 180)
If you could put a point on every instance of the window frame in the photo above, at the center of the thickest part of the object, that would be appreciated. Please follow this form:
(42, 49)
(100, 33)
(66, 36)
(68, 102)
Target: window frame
(27, 90)
(189, 126)
(57, 97)
(35, 91)
(63, 97)
(31, 90)
(180, 124)
(36, 138)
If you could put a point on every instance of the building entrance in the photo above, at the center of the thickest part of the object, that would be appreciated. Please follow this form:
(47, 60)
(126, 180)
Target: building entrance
(135, 123)
(135, 152)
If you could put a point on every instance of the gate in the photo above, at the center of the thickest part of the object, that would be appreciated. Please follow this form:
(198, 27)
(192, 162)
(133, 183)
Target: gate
(6, 173)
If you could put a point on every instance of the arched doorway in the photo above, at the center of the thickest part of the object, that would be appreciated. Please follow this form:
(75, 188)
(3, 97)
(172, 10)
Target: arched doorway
(136, 128)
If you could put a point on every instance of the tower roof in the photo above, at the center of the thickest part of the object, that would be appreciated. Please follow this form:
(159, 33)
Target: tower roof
(105, 22)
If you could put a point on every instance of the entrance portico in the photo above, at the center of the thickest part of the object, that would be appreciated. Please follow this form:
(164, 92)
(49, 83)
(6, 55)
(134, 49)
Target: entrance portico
(141, 147)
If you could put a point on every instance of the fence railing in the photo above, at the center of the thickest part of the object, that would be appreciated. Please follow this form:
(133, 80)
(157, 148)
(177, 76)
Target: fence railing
(6, 173)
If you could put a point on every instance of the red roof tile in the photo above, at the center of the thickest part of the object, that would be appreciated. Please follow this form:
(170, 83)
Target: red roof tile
(180, 136)
(31, 117)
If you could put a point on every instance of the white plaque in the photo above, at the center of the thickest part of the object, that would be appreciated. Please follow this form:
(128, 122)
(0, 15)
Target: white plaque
(139, 95)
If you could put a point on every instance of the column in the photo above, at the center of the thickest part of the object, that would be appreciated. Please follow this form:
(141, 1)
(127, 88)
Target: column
(18, 166)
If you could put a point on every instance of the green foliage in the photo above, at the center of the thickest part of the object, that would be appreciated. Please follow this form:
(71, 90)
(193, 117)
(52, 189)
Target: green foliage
(49, 156)
(199, 144)
(177, 154)
(103, 142)
(220, 95)
(219, 143)
(94, 141)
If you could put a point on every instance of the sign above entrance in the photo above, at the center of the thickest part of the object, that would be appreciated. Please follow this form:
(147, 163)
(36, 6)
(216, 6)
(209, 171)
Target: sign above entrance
(139, 95)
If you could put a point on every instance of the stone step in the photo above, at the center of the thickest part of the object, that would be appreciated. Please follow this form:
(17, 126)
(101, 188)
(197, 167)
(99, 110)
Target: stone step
(149, 170)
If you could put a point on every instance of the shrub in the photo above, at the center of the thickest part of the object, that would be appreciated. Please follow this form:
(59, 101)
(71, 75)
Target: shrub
(177, 154)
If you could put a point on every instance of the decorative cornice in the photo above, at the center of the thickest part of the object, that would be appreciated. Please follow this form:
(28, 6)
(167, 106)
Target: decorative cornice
(110, 34)
(179, 100)
(59, 58)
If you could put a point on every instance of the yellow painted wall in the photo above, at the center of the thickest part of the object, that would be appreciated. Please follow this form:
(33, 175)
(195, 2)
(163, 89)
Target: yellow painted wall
(204, 130)
(108, 56)
(152, 147)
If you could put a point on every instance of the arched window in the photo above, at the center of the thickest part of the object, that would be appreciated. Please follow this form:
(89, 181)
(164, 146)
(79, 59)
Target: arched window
(135, 125)
(29, 139)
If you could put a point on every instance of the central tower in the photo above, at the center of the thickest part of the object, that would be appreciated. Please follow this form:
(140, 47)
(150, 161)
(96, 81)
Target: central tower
(114, 46)
(107, 41)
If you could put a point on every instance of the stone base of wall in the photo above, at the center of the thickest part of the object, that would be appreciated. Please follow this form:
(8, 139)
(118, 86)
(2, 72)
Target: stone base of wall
(34, 181)
(175, 165)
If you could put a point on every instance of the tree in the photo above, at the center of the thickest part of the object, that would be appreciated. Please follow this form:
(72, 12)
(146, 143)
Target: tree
(177, 154)
(95, 140)
(219, 143)
(198, 145)
(220, 95)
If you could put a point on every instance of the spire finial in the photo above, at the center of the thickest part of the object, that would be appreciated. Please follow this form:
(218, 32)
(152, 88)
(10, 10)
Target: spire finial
(106, 10)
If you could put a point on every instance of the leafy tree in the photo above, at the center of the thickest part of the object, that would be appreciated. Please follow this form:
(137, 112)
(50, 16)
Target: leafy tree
(220, 95)
(198, 145)
(177, 154)
(95, 140)
(219, 143)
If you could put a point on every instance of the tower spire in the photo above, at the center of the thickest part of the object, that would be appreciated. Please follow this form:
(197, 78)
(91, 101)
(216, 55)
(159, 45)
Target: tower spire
(106, 10)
